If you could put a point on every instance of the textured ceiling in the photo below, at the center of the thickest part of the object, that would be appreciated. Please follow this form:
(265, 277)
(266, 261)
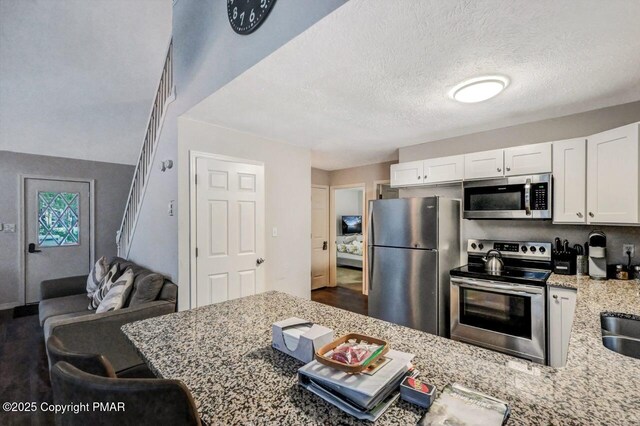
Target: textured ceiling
(77, 77)
(374, 75)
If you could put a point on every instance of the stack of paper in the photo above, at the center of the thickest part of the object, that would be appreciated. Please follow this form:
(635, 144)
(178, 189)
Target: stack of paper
(462, 406)
(365, 396)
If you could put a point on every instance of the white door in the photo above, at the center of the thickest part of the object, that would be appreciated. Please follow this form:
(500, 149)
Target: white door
(612, 176)
(484, 164)
(57, 232)
(527, 159)
(570, 181)
(319, 236)
(444, 169)
(229, 230)
(405, 174)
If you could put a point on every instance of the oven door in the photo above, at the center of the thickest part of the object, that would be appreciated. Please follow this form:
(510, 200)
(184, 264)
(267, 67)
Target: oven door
(518, 197)
(506, 317)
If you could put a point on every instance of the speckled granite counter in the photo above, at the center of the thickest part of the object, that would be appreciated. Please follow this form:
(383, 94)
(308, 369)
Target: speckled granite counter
(223, 354)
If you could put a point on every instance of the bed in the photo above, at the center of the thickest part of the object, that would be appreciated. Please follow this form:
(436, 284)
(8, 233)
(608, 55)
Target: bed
(349, 251)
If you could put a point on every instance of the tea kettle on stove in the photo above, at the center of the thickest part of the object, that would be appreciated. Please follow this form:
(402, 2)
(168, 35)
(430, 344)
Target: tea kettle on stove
(493, 261)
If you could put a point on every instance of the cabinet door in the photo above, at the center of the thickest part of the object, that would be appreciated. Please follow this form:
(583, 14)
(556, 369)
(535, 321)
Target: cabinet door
(612, 176)
(570, 181)
(445, 169)
(562, 307)
(484, 164)
(527, 159)
(405, 174)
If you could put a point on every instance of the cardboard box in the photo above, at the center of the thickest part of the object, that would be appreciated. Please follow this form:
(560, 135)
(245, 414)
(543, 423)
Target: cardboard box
(296, 343)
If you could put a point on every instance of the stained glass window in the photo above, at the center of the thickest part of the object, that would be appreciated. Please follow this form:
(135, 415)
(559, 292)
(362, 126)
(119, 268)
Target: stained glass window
(58, 219)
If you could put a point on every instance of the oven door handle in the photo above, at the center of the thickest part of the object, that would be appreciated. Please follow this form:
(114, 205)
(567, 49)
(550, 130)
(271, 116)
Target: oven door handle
(527, 197)
(507, 289)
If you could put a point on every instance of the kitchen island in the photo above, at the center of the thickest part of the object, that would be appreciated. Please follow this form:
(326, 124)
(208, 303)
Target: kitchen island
(223, 354)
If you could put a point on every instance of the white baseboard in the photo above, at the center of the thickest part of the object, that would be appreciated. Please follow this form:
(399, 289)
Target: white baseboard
(9, 305)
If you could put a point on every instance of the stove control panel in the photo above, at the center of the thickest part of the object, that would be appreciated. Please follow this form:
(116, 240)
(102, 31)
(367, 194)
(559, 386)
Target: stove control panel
(514, 249)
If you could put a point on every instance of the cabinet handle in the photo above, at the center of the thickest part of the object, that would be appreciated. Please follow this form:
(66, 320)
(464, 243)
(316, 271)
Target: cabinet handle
(579, 214)
(499, 169)
(419, 177)
(425, 177)
(555, 296)
(508, 169)
(591, 214)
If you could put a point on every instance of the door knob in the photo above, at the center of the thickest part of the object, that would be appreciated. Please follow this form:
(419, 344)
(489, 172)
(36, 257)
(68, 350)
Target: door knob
(32, 248)
(260, 261)
(324, 245)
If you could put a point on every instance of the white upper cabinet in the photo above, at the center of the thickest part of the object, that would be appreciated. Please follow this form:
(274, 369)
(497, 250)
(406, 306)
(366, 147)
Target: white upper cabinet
(484, 164)
(444, 169)
(406, 174)
(570, 181)
(527, 159)
(612, 176)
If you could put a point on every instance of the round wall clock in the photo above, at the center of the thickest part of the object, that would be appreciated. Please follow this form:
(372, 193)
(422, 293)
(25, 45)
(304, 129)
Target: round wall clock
(245, 16)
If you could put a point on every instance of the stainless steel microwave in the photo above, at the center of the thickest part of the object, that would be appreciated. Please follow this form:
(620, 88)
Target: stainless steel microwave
(514, 197)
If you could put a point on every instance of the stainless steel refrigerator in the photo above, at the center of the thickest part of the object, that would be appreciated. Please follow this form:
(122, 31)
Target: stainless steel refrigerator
(413, 243)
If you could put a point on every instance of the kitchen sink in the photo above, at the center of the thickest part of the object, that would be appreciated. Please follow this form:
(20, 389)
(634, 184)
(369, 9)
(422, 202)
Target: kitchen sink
(617, 326)
(621, 335)
(622, 345)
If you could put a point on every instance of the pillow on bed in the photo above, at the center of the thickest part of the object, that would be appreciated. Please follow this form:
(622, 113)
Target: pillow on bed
(349, 239)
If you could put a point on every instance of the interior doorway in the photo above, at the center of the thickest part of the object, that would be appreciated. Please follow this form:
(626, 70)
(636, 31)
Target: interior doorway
(348, 213)
(227, 228)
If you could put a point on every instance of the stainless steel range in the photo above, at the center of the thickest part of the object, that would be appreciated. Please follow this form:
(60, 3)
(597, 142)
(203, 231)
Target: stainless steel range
(503, 309)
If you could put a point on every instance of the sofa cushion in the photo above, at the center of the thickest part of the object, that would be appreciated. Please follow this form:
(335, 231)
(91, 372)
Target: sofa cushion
(96, 275)
(117, 293)
(146, 288)
(62, 305)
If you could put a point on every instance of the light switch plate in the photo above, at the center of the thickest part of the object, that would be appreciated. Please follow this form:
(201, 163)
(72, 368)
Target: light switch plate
(274, 232)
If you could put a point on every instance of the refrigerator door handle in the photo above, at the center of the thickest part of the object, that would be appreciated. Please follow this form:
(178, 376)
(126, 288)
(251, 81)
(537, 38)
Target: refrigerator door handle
(370, 267)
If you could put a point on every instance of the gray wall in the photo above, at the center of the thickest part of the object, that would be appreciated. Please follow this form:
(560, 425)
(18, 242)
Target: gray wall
(111, 188)
(570, 126)
(207, 55)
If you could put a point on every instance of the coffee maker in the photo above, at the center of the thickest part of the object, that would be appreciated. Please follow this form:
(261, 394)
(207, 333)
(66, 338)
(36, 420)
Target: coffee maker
(597, 255)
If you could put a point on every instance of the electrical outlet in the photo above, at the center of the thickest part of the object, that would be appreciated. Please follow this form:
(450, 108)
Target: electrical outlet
(9, 227)
(628, 247)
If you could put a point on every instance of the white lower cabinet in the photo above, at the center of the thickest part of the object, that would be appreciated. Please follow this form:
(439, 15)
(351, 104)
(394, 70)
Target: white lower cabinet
(561, 308)
(444, 169)
(407, 174)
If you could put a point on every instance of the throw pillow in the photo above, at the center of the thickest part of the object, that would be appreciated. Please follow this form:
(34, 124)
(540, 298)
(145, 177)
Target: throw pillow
(96, 276)
(146, 288)
(117, 291)
(97, 296)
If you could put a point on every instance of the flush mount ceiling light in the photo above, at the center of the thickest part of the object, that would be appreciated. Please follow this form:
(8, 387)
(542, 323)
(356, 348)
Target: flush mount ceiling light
(479, 89)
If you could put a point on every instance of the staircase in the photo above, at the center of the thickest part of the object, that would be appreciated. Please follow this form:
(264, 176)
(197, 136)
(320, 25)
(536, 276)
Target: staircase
(164, 95)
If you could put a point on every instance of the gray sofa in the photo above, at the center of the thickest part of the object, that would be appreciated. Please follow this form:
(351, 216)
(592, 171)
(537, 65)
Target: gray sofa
(64, 313)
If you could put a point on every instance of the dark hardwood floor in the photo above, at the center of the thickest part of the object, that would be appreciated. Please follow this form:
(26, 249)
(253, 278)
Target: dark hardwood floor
(340, 297)
(24, 373)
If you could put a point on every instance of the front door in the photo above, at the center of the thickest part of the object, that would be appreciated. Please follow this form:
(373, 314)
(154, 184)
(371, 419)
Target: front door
(57, 232)
(229, 230)
(319, 236)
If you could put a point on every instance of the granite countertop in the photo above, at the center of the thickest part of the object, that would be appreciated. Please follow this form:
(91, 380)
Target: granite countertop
(223, 354)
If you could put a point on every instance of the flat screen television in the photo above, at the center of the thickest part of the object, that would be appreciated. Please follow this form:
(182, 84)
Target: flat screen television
(351, 225)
